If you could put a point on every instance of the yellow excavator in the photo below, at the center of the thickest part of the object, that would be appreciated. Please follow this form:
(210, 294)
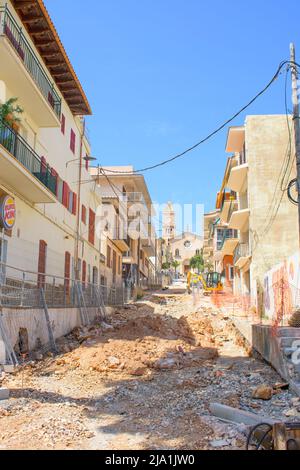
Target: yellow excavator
(211, 282)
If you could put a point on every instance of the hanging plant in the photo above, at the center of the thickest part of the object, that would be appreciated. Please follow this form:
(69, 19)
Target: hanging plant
(9, 113)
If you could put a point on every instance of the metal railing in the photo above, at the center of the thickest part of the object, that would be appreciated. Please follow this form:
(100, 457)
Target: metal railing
(19, 148)
(135, 198)
(19, 288)
(228, 197)
(10, 28)
(228, 235)
(241, 251)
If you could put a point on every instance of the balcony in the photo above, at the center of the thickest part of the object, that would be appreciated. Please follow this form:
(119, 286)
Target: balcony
(128, 258)
(229, 201)
(135, 198)
(229, 243)
(22, 169)
(239, 220)
(149, 247)
(120, 240)
(238, 177)
(242, 255)
(25, 75)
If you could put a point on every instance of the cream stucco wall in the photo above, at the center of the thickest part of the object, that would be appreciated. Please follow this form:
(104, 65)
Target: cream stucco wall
(273, 219)
(185, 253)
(50, 222)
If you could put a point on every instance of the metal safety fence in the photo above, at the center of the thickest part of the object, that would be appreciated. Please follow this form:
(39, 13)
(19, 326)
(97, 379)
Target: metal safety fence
(19, 288)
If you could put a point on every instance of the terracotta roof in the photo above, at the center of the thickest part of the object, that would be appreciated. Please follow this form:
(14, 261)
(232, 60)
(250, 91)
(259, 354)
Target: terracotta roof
(41, 29)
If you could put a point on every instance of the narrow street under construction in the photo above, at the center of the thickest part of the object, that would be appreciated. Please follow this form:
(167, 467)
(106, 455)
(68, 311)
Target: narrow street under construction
(147, 378)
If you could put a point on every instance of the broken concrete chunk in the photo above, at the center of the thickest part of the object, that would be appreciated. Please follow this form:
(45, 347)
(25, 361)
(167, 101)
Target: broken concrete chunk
(4, 393)
(263, 392)
(216, 444)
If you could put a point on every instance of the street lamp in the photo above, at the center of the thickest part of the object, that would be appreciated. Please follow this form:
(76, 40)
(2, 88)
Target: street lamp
(87, 158)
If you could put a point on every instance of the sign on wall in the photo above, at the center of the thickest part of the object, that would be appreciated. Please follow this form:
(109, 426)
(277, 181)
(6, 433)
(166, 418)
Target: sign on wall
(7, 212)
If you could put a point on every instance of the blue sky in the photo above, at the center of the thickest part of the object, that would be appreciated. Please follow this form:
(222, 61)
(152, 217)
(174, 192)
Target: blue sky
(161, 74)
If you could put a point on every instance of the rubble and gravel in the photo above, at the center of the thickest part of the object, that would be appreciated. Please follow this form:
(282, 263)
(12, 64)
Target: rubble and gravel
(144, 379)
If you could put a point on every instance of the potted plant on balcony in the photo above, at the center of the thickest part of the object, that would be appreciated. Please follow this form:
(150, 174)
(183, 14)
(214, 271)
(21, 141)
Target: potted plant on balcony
(9, 113)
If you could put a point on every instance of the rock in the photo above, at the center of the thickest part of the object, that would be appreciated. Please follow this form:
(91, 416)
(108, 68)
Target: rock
(140, 371)
(106, 327)
(114, 362)
(187, 383)
(296, 401)
(165, 363)
(292, 413)
(263, 392)
(218, 443)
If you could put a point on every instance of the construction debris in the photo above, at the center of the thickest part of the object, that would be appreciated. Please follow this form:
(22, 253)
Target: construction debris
(144, 379)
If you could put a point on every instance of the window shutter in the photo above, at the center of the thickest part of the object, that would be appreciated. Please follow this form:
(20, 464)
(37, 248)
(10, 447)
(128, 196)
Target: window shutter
(54, 174)
(43, 165)
(83, 271)
(72, 141)
(66, 191)
(83, 214)
(74, 207)
(92, 227)
(63, 124)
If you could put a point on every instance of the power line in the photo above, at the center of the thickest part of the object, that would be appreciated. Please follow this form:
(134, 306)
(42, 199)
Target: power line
(216, 131)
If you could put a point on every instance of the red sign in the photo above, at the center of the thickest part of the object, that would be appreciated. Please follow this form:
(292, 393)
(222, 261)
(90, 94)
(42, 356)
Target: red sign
(7, 212)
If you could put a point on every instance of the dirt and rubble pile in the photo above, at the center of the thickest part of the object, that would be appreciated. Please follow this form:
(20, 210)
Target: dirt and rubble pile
(138, 340)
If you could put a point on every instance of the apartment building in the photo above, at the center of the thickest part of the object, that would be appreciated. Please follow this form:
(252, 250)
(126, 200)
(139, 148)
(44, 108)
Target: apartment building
(253, 201)
(40, 157)
(208, 242)
(127, 215)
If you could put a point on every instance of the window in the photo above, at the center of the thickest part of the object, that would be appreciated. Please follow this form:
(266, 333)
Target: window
(63, 124)
(231, 273)
(83, 214)
(72, 141)
(177, 253)
(95, 275)
(197, 252)
(119, 265)
(92, 218)
(108, 256)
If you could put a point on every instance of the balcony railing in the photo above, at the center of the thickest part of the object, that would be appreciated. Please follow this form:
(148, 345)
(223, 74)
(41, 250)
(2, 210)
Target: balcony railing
(228, 234)
(241, 251)
(228, 197)
(20, 149)
(10, 28)
(135, 198)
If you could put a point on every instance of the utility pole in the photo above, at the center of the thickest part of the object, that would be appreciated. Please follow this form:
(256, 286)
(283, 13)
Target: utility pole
(296, 120)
